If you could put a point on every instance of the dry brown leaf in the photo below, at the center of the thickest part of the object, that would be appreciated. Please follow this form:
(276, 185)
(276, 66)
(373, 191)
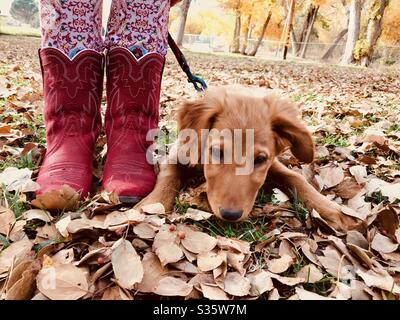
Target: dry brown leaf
(213, 292)
(167, 234)
(64, 199)
(196, 241)
(7, 220)
(116, 218)
(280, 265)
(392, 191)
(13, 254)
(38, 214)
(153, 272)
(356, 238)
(62, 282)
(236, 285)
(307, 295)
(289, 281)
(196, 215)
(65, 256)
(171, 287)
(115, 293)
(145, 231)
(381, 279)
(310, 273)
(128, 268)
(22, 283)
(274, 295)
(260, 282)
(62, 226)
(383, 244)
(169, 253)
(207, 261)
(331, 176)
(18, 180)
(186, 267)
(156, 208)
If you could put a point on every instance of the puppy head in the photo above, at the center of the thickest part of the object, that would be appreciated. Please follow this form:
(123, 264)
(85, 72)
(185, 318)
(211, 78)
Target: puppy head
(248, 129)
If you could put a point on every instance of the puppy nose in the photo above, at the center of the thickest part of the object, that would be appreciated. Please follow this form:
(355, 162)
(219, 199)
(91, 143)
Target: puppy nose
(230, 215)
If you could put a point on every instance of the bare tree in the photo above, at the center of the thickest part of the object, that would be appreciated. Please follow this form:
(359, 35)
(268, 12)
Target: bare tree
(182, 24)
(353, 31)
(236, 33)
(374, 29)
(288, 28)
(307, 28)
(246, 33)
(260, 38)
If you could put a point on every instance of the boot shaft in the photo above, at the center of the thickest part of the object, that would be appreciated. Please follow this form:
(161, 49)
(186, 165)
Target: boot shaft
(133, 95)
(72, 90)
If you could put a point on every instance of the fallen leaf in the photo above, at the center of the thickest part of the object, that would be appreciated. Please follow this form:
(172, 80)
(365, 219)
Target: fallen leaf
(310, 273)
(207, 261)
(197, 242)
(308, 295)
(37, 214)
(18, 180)
(62, 226)
(280, 265)
(170, 287)
(64, 199)
(14, 254)
(169, 253)
(144, 230)
(153, 272)
(213, 292)
(196, 215)
(236, 285)
(331, 176)
(260, 282)
(128, 268)
(7, 220)
(383, 244)
(62, 282)
(156, 208)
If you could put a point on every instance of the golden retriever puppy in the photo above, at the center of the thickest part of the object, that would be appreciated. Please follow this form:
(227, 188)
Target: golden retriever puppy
(238, 134)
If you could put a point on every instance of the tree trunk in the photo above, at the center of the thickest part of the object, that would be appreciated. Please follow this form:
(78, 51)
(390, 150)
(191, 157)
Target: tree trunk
(295, 44)
(353, 33)
(332, 48)
(260, 38)
(310, 25)
(236, 34)
(181, 31)
(374, 31)
(289, 28)
(246, 32)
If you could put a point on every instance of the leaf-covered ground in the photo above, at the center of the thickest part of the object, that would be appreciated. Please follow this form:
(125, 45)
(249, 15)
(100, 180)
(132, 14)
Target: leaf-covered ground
(104, 250)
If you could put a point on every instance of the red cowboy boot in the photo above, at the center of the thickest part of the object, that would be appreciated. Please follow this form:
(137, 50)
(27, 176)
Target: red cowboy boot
(72, 93)
(133, 97)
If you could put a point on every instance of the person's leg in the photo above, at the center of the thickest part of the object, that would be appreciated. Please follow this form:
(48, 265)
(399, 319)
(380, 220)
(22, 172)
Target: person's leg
(72, 70)
(137, 38)
(71, 25)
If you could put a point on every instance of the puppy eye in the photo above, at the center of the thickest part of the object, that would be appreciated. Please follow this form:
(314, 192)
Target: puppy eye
(259, 160)
(217, 154)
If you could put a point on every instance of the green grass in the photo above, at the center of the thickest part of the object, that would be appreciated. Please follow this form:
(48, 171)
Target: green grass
(336, 140)
(322, 286)
(14, 202)
(377, 198)
(300, 210)
(25, 161)
(180, 207)
(263, 198)
(252, 230)
(393, 128)
(19, 31)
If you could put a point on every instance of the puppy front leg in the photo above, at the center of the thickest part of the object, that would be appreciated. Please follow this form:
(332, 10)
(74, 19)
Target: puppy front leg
(289, 180)
(166, 189)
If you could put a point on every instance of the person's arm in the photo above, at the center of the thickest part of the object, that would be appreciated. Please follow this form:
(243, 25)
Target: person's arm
(174, 2)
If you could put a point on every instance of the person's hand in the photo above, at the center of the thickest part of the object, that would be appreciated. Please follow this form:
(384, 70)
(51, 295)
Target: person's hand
(174, 2)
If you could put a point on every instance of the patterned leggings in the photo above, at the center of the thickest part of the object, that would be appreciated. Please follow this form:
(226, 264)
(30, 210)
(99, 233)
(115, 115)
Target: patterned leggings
(74, 25)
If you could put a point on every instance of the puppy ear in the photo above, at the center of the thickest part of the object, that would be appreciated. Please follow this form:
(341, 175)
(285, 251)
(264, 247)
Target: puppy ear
(289, 130)
(199, 114)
